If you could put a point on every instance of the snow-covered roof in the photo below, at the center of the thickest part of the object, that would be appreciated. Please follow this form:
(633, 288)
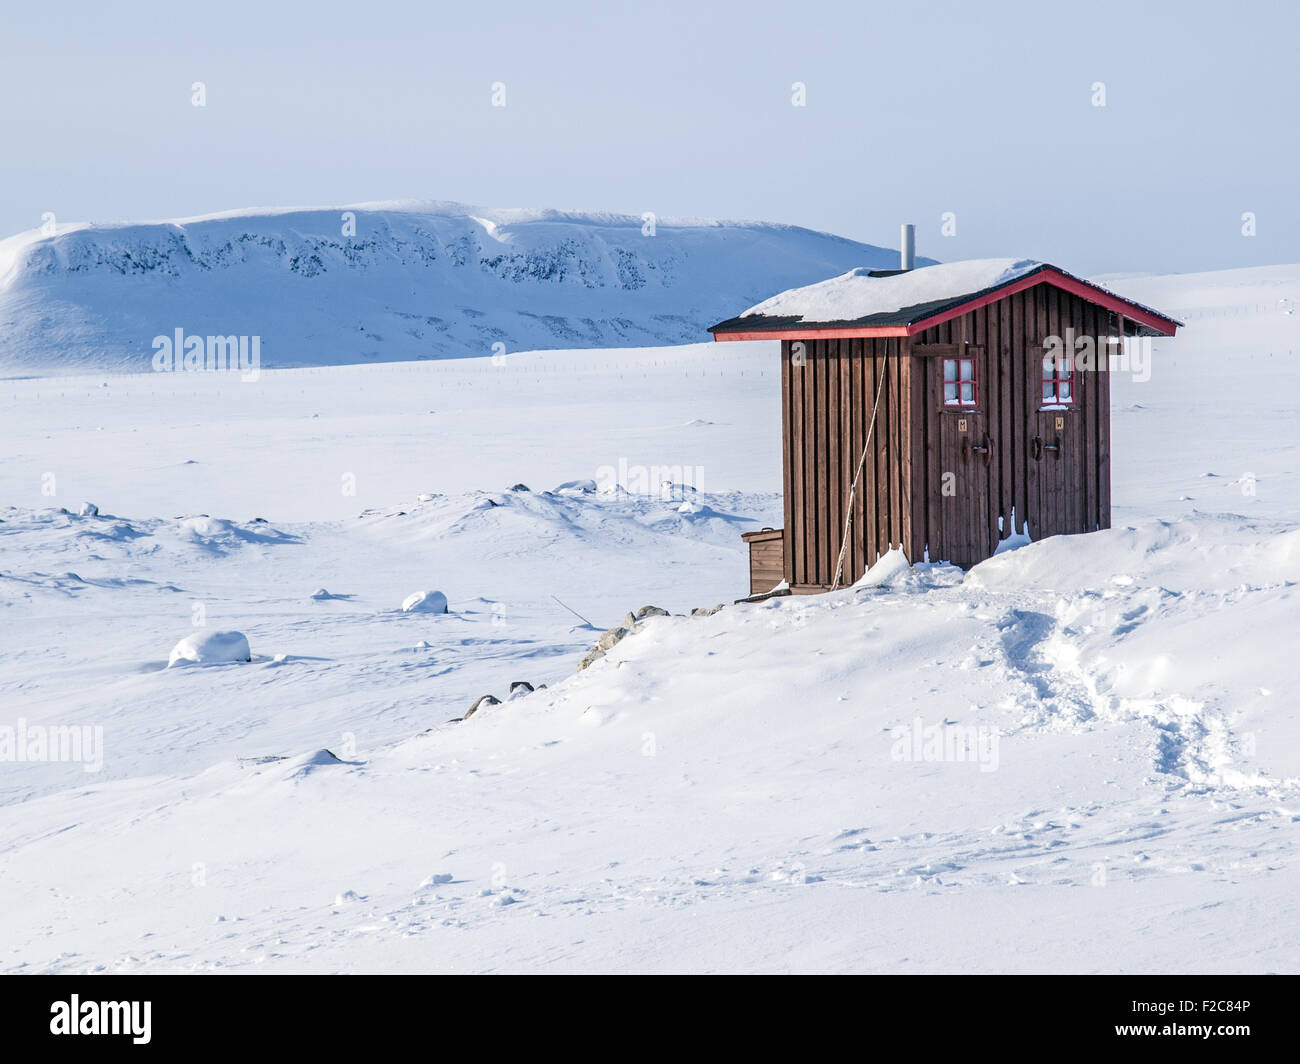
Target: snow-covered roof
(857, 294)
(895, 299)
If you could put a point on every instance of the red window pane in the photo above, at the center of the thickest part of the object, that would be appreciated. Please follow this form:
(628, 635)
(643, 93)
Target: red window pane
(959, 387)
(1058, 380)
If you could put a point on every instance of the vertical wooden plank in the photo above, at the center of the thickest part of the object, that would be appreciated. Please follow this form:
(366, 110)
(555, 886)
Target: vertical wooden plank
(1067, 487)
(787, 466)
(1028, 378)
(969, 477)
(848, 458)
(835, 486)
(1055, 482)
(1080, 322)
(936, 530)
(888, 467)
(1019, 415)
(1045, 507)
(1082, 318)
(1006, 434)
(993, 408)
(965, 510)
(872, 468)
(823, 475)
(989, 404)
(1070, 484)
(1103, 435)
(879, 451)
(898, 496)
(1100, 415)
(822, 472)
(798, 542)
(829, 452)
(914, 397)
(1083, 482)
(857, 429)
(810, 463)
(870, 479)
(904, 452)
(1085, 381)
(1100, 327)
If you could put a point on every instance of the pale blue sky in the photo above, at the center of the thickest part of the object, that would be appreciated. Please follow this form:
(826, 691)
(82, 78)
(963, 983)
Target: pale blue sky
(913, 109)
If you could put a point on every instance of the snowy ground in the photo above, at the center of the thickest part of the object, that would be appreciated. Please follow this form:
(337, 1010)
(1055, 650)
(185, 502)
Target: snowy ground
(732, 792)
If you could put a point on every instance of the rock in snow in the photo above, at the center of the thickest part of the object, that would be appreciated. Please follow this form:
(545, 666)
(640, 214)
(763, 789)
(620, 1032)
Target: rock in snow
(210, 648)
(425, 602)
(486, 700)
(618, 633)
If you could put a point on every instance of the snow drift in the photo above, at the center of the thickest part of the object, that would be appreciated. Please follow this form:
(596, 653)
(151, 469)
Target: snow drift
(210, 648)
(425, 602)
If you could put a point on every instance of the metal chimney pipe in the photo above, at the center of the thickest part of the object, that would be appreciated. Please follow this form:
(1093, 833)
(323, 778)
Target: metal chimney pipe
(907, 247)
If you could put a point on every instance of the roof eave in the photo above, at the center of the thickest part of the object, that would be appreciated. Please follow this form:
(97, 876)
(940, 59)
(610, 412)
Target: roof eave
(1144, 317)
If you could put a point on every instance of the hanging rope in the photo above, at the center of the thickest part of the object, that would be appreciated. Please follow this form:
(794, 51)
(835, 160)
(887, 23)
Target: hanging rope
(853, 490)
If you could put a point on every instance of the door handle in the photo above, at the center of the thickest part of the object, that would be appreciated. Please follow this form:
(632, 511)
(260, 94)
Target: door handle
(986, 449)
(1037, 447)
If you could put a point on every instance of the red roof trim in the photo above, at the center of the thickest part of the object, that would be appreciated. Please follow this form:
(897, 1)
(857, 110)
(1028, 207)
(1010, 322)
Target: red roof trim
(1164, 326)
(1157, 322)
(829, 333)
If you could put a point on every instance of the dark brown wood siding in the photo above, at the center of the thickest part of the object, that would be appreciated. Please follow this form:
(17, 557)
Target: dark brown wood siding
(829, 390)
(1004, 480)
(1050, 494)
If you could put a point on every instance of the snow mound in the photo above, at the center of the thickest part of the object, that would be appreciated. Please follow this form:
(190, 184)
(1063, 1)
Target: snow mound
(210, 648)
(425, 602)
(887, 566)
(306, 764)
(437, 879)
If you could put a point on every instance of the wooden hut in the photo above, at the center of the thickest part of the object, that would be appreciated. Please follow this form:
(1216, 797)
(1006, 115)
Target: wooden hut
(938, 410)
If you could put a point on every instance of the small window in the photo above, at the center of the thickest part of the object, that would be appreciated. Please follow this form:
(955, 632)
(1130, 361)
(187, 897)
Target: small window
(1058, 380)
(959, 384)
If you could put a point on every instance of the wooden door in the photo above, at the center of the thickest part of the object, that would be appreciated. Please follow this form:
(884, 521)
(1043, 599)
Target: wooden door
(960, 481)
(964, 449)
(1057, 466)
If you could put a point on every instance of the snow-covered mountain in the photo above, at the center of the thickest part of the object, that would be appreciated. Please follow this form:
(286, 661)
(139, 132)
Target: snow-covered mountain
(386, 282)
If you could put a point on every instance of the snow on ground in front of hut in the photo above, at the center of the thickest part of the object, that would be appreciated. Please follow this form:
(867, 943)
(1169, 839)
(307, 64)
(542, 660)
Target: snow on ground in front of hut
(754, 789)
